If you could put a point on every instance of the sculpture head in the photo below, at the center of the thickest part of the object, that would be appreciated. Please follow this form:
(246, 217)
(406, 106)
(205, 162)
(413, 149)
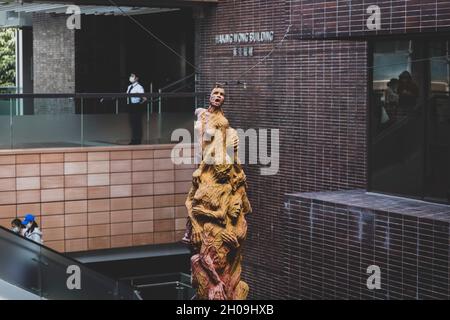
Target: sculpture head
(241, 194)
(217, 97)
(235, 207)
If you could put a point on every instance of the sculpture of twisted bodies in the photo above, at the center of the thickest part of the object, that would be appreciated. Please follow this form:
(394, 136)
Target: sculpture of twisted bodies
(217, 205)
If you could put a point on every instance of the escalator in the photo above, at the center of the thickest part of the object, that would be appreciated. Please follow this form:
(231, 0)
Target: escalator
(410, 155)
(32, 271)
(397, 156)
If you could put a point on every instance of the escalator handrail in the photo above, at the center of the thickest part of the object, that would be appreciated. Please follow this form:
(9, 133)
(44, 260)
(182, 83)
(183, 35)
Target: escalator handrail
(69, 260)
(416, 112)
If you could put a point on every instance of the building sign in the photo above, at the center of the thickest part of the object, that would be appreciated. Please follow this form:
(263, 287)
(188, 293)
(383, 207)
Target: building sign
(244, 38)
(248, 37)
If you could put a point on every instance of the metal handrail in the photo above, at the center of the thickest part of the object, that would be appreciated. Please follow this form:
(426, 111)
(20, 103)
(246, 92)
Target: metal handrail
(159, 275)
(175, 91)
(102, 95)
(179, 81)
(161, 284)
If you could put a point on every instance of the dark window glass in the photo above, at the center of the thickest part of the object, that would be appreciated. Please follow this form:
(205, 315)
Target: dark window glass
(397, 118)
(438, 124)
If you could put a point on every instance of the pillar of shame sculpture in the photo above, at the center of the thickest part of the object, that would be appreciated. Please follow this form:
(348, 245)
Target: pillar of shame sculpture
(217, 205)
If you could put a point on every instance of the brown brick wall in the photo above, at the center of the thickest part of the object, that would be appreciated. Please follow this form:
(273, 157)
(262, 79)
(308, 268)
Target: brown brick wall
(95, 198)
(313, 90)
(320, 19)
(331, 239)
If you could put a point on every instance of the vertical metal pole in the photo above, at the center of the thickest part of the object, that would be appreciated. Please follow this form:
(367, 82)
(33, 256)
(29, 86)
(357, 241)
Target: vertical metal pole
(159, 116)
(195, 90)
(448, 63)
(149, 111)
(151, 100)
(160, 101)
(10, 123)
(82, 123)
(117, 105)
(180, 291)
(19, 64)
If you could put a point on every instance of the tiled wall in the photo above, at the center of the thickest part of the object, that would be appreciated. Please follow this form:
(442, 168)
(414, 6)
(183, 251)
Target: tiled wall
(331, 238)
(96, 198)
(325, 19)
(314, 93)
(312, 86)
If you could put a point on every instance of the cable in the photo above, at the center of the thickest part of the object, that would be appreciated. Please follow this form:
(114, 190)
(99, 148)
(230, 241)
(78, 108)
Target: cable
(184, 59)
(269, 54)
(153, 35)
(239, 81)
(262, 60)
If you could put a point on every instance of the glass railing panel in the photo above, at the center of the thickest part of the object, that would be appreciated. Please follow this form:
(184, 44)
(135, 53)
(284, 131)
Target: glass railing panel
(57, 284)
(105, 121)
(171, 114)
(19, 262)
(5, 123)
(112, 121)
(171, 286)
(162, 126)
(46, 122)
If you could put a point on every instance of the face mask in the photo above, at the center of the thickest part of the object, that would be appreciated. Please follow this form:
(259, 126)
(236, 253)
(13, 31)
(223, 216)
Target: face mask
(29, 225)
(132, 79)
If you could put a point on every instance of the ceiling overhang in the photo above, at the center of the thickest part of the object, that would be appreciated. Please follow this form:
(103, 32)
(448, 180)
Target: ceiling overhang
(132, 3)
(17, 13)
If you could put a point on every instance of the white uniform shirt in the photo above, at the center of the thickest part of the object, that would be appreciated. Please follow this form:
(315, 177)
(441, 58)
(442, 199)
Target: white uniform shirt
(135, 88)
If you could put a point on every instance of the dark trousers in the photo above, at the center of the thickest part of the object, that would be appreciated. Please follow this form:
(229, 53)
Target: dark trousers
(135, 118)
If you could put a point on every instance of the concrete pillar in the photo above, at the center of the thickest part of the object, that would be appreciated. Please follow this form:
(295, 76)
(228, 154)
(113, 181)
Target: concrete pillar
(53, 61)
(24, 68)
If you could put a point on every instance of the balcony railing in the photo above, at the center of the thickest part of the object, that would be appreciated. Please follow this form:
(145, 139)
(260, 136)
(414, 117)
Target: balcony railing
(168, 286)
(91, 119)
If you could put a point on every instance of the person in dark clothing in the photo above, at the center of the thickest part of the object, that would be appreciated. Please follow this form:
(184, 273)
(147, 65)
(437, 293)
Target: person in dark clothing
(408, 92)
(391, 99)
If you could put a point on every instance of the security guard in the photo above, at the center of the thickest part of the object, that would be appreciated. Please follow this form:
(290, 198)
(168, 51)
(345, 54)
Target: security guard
(136, 109)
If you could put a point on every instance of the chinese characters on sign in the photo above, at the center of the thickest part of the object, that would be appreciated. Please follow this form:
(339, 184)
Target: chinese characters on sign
(243, 52)
(244, 38)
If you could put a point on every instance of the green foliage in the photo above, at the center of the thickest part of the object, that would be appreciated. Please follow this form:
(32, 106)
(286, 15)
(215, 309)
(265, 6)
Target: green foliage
(7, 57)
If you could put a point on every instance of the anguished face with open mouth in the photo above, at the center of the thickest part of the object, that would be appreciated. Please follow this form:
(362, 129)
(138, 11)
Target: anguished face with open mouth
(217, 97)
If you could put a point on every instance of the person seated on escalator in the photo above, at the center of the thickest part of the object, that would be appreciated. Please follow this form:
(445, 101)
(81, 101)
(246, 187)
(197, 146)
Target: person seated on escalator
(32, 231)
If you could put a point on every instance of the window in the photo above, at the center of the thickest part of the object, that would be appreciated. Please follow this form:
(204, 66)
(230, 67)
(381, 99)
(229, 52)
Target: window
(410, 119)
